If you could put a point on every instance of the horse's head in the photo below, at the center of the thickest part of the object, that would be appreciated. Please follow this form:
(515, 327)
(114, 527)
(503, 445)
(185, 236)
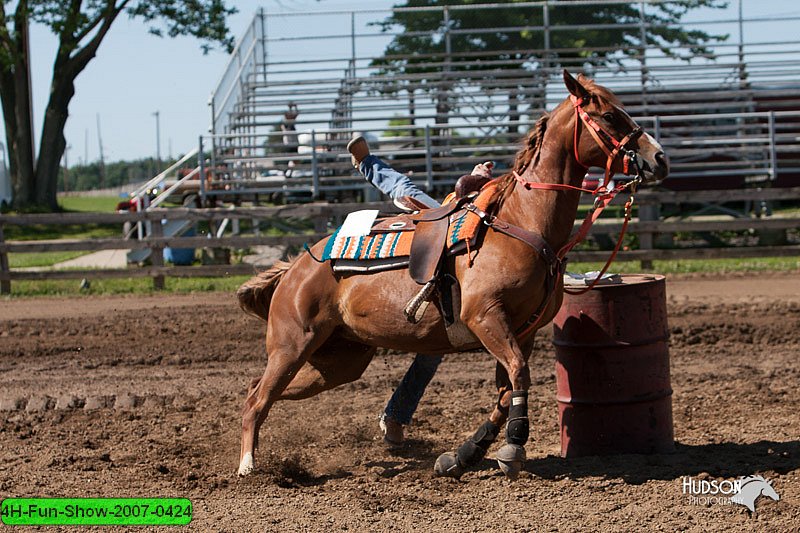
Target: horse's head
(607, 137)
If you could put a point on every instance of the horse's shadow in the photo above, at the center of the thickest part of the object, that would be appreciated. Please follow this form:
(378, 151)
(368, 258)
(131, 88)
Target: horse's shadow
(722, 460)
(727, 459)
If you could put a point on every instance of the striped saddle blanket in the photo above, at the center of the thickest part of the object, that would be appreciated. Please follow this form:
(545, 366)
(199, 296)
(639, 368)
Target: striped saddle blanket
(390, 239)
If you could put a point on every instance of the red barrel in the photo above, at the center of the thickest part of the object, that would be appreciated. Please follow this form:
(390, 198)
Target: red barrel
(612, 369)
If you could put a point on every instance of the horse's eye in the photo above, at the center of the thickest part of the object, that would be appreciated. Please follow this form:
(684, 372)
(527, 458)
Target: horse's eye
(608, 117)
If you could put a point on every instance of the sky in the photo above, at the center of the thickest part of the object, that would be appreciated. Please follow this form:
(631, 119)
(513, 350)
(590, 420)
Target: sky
(136, 74)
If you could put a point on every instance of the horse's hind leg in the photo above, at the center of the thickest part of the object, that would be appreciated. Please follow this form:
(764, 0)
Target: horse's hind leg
(324, 371)
(335, 362)
(289, 346)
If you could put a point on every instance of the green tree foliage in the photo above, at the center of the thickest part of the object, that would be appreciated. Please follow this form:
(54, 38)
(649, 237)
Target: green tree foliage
(81, 26)
(88, 177)
(515, 33)
(409, 132)
(506, 37)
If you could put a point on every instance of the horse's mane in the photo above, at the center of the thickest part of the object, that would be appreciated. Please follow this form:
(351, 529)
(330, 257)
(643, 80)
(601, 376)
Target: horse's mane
(532, 145)
(527, 155)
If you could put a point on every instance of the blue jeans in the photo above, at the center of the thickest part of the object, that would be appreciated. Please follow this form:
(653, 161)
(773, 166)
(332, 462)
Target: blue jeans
(408, 393)
(406, 396)
(391, 182)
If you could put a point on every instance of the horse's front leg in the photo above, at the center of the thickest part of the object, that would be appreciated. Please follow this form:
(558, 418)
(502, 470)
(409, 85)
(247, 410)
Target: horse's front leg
(473, 450)
(491, 327)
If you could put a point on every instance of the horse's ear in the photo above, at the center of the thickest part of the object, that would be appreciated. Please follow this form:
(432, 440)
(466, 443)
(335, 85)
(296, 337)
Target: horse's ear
(574, 87)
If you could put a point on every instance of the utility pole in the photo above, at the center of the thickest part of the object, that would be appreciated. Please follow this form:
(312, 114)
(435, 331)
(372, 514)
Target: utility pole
(86, 147)
(158, 141)
(102, 160)
(66, 167)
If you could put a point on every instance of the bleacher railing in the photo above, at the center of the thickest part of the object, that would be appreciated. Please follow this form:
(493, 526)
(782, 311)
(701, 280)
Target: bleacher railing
(730, 116)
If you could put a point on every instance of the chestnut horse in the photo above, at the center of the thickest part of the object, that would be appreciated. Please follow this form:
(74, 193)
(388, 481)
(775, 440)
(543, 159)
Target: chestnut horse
(323, 328)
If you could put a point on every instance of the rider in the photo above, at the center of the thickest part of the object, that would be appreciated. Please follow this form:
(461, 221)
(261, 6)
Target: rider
(406, 397)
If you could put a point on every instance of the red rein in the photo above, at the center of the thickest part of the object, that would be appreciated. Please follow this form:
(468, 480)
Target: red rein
(603, 196)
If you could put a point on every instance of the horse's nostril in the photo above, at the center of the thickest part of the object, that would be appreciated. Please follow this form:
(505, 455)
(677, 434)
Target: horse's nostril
(661, 159)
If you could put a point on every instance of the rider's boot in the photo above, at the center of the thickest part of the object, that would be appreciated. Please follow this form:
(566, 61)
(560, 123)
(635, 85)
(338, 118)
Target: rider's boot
(392, 430)
(359, 150)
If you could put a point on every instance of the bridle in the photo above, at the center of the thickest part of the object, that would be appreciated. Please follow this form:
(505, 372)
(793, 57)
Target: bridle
(613, 149)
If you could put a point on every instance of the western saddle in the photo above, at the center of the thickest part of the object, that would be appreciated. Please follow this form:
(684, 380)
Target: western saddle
(425, 263)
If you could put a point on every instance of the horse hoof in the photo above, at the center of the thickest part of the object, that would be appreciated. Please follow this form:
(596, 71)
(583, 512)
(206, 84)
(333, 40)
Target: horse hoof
(510, 459)
(246, 466)
(447, 466)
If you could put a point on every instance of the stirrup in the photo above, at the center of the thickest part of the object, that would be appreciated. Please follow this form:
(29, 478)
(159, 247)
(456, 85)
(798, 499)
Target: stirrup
(417, 306)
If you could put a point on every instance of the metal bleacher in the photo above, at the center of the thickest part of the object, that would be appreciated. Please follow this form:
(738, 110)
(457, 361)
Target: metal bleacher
(727, 117)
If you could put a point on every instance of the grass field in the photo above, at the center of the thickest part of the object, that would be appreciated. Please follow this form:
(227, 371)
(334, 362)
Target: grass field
(230, 284)
(123, 286)
(89, 204)
(713, 266)
(40, 259)
(78, 204)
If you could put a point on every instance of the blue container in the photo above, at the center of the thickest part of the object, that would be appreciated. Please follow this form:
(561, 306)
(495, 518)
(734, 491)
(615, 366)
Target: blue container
(180, 256)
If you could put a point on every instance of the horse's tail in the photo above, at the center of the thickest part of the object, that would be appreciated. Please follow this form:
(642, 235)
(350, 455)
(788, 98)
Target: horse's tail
(255, 294)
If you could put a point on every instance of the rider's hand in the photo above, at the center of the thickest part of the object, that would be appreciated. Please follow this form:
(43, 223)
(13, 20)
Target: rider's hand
(483, 169)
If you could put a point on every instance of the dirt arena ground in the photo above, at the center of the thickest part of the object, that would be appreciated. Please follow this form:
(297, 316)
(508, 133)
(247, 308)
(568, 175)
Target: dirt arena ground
(140, 397)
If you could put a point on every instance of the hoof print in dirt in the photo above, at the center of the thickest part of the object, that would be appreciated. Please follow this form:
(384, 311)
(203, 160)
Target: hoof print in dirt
(125, 401)
(11, 404)
(98, 402)
(39, 404)
(68, 402)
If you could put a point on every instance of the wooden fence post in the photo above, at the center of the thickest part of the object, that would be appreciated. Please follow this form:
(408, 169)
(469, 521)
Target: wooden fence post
(5, 284)
(157, 253)
(647, 213)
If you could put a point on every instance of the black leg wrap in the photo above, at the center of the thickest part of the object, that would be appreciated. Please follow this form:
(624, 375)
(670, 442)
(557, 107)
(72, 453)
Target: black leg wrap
(472, 451)
(517, 430)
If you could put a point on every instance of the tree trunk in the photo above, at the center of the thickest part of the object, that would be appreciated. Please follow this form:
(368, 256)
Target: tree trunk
(36, 183)
(53, 143)
(24, 184)
(8, 98)
(16, 97)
